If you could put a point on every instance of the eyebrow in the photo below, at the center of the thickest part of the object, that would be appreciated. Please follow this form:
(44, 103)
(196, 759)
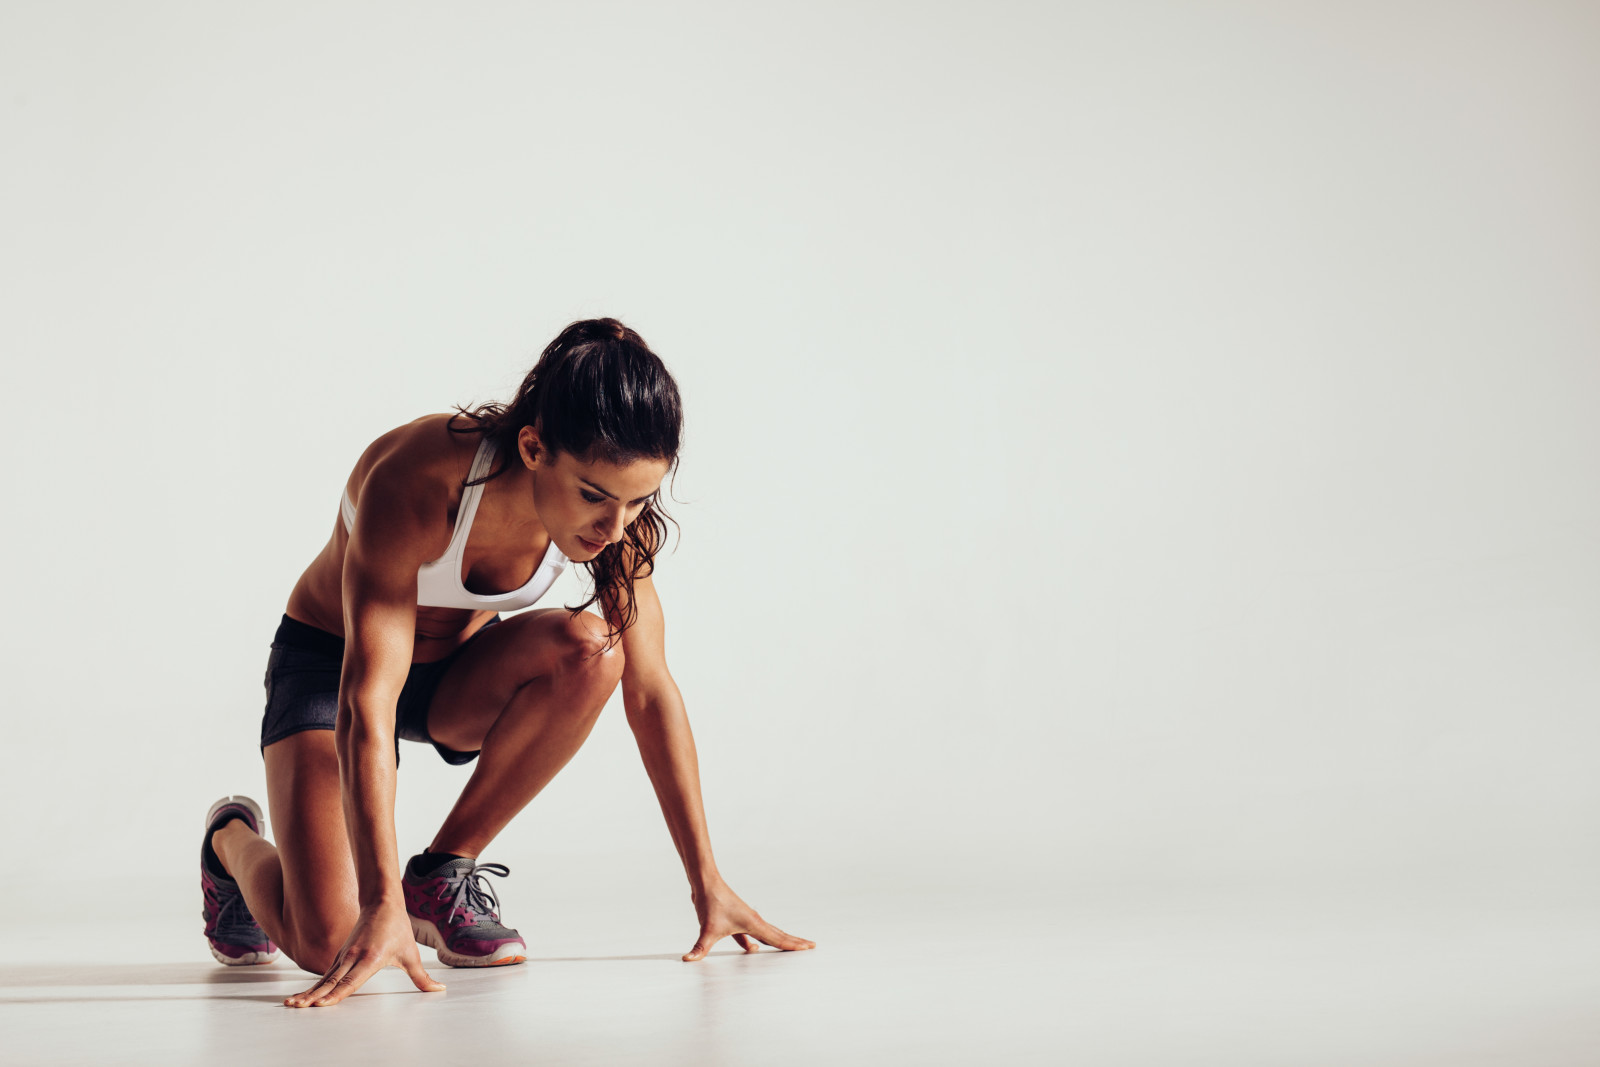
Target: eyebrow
(613, 496)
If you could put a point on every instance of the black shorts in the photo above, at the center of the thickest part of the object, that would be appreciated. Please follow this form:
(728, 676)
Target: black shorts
(303, 688)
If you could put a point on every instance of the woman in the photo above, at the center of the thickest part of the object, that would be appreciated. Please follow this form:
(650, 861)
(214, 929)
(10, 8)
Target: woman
(392, 633)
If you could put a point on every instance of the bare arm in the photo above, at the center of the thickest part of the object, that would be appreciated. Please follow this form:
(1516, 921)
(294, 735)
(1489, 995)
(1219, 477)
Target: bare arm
(660, 725)
(393, 535)
(380, 619)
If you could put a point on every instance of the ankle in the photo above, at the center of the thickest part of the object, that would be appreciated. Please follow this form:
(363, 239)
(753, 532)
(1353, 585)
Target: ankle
(226, 835)
(424, 863)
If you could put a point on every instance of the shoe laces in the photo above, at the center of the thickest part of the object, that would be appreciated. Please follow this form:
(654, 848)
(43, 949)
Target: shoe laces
(471, 892)
(235, 925)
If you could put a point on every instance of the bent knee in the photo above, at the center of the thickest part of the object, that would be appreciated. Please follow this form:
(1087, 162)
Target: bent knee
(316, 945)
(316, 956)
(589, 648)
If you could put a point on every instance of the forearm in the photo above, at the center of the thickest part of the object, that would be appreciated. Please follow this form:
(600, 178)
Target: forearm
(666, 746)
(367, 785)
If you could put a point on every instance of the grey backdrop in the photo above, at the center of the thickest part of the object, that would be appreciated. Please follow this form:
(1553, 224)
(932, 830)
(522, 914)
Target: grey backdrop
(1135, 443)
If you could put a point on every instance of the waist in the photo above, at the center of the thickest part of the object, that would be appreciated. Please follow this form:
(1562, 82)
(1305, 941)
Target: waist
(292, 633)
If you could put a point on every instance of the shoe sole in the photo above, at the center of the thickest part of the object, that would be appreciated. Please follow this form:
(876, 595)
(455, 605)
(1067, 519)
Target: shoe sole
(428, 934)
(249, 959)
(244, 802)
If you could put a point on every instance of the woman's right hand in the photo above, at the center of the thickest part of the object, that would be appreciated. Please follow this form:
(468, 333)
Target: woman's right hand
(381, 938)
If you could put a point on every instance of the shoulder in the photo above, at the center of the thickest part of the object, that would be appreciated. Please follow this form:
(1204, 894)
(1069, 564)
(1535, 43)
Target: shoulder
(634, 560)
(424, 453)
(410, 477)
(630, 598)
(646, 682)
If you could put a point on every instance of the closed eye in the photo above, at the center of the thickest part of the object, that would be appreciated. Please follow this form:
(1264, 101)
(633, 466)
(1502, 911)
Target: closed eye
(593, 499)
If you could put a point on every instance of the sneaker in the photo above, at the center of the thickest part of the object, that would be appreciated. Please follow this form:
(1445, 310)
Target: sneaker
(452, 911)
(235, 937)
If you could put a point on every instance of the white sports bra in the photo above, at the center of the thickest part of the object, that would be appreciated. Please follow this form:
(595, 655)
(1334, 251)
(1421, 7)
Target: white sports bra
(439, 583)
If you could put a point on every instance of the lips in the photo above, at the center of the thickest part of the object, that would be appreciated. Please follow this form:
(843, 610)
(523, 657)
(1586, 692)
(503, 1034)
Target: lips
(592, 546)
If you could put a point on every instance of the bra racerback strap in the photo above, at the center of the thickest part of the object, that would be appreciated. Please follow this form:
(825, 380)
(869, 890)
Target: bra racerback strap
(482, 463)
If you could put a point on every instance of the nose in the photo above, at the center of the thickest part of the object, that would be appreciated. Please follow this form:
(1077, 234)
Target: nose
(612, 531)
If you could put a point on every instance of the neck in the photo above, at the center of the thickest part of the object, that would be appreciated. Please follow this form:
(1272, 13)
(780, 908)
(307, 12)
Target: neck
(508, 499)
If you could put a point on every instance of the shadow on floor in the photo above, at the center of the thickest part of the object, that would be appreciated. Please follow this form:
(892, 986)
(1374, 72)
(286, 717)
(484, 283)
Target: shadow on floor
(25, 983)
(31, 976)
(80, 984)
(668, 956)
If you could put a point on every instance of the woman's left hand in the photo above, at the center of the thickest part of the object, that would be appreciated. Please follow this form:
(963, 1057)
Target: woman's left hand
(722, 913)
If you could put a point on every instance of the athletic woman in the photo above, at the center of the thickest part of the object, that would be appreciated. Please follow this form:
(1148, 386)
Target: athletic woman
(393, 632)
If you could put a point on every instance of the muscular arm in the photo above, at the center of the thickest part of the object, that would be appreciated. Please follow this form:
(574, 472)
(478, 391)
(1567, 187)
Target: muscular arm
(380, 616)
(395, 531)
(660, 725)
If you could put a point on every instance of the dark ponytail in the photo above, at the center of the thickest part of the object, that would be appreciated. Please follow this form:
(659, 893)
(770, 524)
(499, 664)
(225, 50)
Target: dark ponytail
(597, 392)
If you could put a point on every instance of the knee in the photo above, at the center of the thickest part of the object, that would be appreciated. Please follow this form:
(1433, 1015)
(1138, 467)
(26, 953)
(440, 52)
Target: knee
(587, 651)
(316, 945)
(316, 955)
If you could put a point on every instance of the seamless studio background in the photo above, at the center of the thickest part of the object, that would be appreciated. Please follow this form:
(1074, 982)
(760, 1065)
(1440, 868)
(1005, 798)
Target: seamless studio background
(1138, 451)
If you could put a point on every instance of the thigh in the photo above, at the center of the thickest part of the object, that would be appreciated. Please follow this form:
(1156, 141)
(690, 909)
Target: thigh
(302, 689)
(502, 659)
(319, 877)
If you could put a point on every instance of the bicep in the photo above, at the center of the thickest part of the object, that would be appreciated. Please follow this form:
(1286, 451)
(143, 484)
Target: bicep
(645, 678)
(379, 590)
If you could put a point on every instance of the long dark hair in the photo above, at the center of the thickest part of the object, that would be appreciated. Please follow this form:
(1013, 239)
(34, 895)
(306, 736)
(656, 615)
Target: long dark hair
(597, 392)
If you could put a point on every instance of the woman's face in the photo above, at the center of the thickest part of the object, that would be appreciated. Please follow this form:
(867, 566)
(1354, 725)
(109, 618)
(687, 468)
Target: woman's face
(586, 506)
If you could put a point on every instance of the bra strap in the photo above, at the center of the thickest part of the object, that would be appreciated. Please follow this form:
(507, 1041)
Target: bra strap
(468, 510)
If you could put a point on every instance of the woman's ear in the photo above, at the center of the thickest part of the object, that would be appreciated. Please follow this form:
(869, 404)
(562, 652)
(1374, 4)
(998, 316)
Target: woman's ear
(530, 447)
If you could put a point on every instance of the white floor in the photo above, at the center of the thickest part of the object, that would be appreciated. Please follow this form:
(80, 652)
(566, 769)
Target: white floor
(901, 974)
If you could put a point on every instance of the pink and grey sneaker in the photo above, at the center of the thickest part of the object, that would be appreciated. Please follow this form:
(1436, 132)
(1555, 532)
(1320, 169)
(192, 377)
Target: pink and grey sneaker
(453, 912)
(235, 937)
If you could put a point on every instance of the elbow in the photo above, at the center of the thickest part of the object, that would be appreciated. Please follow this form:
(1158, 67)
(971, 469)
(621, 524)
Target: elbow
(356, 727)
(642, 714)
(651, 701)
(345, 724)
